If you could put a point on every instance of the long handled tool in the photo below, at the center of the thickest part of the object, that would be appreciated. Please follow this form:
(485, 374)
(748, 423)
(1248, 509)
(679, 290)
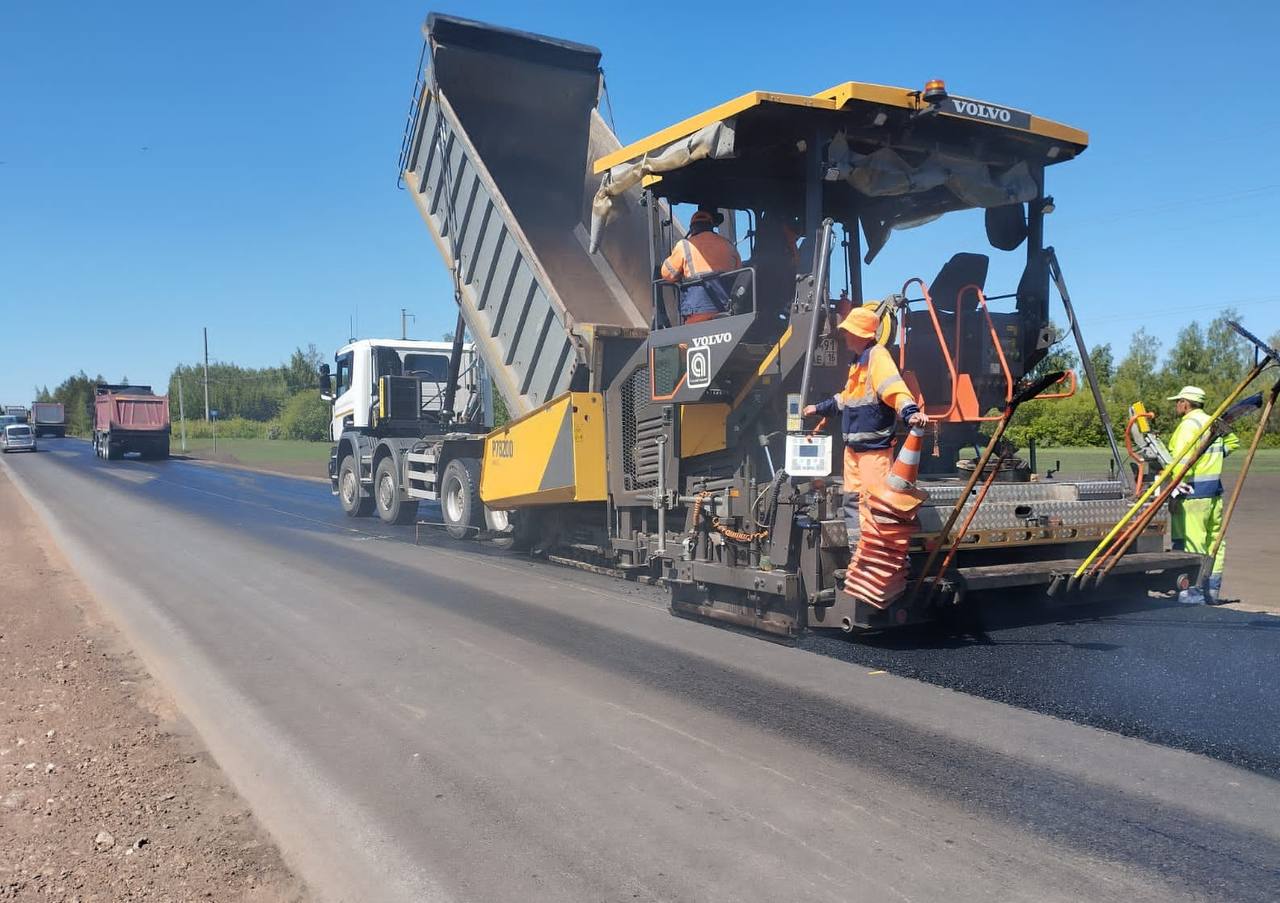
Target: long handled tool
(1265, 355)
(1162, 478)
(964, 528)
(1026, 393)
(1206, 568)
(1103, 567)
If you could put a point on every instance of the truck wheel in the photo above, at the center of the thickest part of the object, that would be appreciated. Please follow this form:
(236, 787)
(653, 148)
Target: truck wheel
(386, 495)
(354, 504)
(109, 451)
(460, 498)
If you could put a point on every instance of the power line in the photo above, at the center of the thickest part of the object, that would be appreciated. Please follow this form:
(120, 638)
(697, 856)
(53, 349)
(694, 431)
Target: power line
(1210, 305)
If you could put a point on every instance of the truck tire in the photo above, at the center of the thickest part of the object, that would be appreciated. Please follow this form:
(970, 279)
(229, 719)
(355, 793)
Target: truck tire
(109, 452)
(354, 503)
(460, 499)
(386, 494)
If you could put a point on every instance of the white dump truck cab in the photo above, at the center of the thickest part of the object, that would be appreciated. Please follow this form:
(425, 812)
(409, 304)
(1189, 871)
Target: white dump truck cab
(395, 402)
(358, 366)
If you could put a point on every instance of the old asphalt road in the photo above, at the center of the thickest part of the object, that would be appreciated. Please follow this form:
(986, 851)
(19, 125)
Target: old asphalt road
(430, 723)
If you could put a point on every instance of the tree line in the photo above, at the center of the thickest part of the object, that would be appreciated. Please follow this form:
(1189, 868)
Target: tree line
(1213, 357)
(270, 402)
(283, 401)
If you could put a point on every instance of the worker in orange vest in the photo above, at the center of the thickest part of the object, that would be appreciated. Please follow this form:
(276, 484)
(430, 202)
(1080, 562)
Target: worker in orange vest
(702, 253)
(872, 400)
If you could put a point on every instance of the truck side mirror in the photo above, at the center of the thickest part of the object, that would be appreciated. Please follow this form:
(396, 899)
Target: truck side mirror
(326, 383)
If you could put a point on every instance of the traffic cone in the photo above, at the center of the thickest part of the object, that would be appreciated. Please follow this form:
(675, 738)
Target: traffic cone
(877, 572)
(898, 495)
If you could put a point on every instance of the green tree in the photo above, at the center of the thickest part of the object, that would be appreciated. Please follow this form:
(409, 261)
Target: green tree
(305, 416)
(1104, 364)
(302, 370)
(1136, 377)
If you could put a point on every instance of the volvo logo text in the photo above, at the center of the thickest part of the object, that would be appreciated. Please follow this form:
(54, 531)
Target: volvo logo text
(706, 341)
(982, 111)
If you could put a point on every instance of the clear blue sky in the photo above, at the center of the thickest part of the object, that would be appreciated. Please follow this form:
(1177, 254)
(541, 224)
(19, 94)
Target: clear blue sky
(166, 166)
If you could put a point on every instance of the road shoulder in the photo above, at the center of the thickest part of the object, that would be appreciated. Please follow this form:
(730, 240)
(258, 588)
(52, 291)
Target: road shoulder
(106, 792)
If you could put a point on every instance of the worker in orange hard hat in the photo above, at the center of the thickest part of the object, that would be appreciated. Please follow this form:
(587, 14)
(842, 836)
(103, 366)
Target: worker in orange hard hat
(872, 400)
(694, 263)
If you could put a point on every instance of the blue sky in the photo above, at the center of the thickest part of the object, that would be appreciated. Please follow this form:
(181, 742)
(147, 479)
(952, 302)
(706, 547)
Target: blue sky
(167, 166)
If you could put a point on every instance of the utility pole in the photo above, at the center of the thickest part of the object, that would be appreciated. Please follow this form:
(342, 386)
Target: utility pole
(405, 317)
(206, 373)
(182, 414)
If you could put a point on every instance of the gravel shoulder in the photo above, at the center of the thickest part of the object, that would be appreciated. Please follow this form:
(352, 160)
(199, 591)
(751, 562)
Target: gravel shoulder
(106, 793)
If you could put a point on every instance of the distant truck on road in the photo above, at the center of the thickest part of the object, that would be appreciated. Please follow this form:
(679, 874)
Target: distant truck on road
(48, 418)
(16, 410)
(130, 419)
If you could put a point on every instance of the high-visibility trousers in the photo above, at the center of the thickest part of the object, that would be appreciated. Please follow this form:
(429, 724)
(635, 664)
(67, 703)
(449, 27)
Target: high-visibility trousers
(1195, 525)
(862, 469)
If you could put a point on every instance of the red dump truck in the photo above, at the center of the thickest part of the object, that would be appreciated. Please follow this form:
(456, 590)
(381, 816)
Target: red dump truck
(130, 419)
(48, 418)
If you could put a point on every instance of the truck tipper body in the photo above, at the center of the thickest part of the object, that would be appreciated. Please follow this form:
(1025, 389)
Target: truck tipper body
(130, 419)
(48, 418)
(652, 445)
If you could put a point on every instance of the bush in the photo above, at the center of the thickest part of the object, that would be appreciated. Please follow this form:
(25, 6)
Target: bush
(305, 416)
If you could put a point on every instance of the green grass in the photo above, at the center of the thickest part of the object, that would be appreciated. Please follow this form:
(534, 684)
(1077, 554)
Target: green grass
(256, 452)
(1095, 460)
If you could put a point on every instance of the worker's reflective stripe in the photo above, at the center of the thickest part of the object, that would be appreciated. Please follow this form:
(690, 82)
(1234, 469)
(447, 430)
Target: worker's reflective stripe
(670, 272)
(690, 268)
(887, 384)
(869, 436)
(839, 401)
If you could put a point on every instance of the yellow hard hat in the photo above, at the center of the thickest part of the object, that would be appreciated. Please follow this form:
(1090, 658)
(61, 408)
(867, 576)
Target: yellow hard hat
(862, 322)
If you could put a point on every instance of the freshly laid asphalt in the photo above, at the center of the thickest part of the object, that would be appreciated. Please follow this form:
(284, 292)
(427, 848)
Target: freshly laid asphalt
(437, 722)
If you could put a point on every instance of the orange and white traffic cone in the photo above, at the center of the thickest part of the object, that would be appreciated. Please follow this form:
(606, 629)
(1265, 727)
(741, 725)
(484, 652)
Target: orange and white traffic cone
(877, 573)
(898, 493)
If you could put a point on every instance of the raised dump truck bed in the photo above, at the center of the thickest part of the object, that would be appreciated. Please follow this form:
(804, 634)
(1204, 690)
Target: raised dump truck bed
(498, 161)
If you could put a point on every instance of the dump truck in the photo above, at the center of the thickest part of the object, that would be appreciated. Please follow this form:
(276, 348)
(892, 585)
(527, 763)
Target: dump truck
(130, 419)
(391, 399)
(652, 446)
(48, 418)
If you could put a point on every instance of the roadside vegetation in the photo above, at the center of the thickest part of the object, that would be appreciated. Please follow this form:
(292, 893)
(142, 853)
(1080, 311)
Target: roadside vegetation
(261, 406)
(1213, 357)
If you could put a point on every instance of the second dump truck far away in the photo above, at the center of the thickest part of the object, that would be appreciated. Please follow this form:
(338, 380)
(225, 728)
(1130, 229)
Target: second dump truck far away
(654, 445)
(130, 419)
(48, 418)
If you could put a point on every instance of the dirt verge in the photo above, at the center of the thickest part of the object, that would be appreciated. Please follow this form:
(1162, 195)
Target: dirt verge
(106, 793)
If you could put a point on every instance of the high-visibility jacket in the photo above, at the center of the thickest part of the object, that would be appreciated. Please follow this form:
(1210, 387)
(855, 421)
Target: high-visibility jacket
(873, 398)
(1205, 477)
(698, 255)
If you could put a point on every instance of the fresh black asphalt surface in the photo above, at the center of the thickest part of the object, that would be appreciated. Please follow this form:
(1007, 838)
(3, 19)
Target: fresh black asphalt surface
(1198, 679)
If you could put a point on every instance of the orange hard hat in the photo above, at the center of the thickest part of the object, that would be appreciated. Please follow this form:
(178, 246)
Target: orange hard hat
(862, 322)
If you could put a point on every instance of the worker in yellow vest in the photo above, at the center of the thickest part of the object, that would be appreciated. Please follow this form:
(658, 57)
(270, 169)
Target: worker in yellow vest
(1196, 512)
